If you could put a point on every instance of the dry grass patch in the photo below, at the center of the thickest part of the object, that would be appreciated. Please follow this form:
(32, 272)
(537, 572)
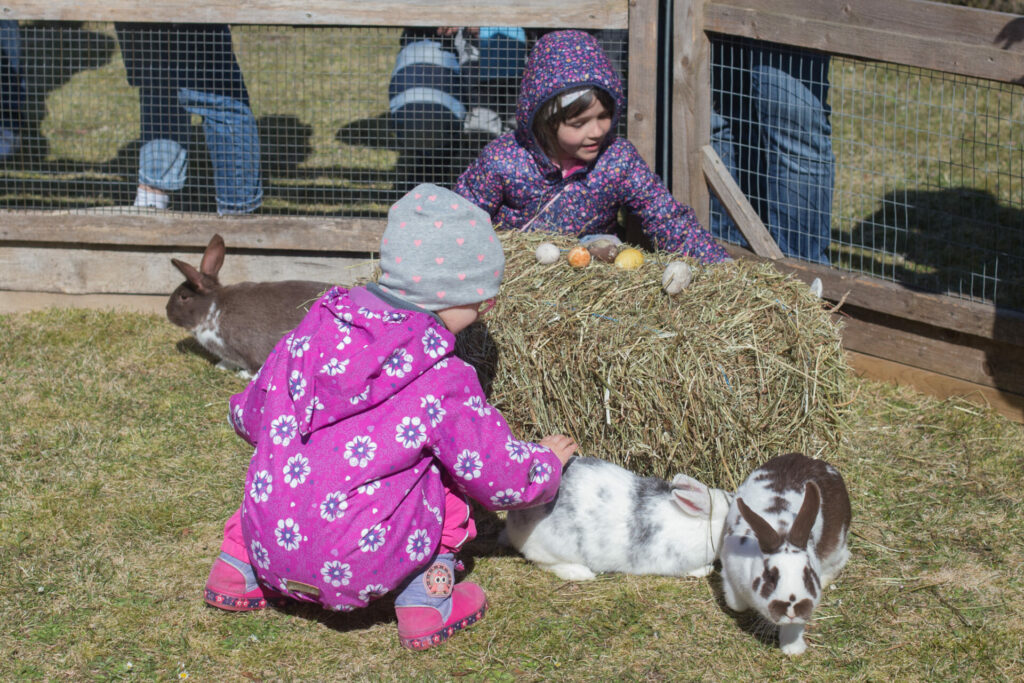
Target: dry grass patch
(119, 473)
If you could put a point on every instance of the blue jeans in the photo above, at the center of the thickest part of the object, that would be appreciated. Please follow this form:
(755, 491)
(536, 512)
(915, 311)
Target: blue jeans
(12, 80)
(186, 69)
(770, 125)
(229, 128)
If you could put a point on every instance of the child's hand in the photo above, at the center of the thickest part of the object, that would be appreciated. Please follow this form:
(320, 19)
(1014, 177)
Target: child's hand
(561, 445)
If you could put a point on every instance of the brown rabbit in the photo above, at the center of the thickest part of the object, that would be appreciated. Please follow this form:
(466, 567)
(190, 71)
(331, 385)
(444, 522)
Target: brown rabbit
(239, 324)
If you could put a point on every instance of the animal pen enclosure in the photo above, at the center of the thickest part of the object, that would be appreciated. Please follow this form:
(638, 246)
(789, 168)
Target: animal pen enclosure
(927, 223)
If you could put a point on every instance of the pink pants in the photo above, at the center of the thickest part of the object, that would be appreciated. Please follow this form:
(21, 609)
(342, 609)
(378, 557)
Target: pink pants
(458, 528)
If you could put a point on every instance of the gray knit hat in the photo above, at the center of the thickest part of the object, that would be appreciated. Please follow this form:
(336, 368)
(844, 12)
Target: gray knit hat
(439, 250)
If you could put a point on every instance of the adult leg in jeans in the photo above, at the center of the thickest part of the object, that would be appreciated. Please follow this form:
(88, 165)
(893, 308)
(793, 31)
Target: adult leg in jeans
(789, 93)
(770, 127)
(12, 88)
(233, 142)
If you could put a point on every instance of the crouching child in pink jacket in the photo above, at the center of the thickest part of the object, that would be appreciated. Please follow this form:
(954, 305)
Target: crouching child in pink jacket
(370, 438)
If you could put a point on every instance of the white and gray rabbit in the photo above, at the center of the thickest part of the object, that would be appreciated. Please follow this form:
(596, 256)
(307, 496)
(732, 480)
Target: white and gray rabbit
(608, 519)
(785, 540)
(239, 324)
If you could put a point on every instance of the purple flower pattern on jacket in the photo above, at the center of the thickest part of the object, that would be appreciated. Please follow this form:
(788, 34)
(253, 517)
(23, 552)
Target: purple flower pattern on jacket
(522, 189)
(359, 419)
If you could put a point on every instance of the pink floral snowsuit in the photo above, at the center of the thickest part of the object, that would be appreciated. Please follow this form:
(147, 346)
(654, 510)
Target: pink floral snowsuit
(363, 421)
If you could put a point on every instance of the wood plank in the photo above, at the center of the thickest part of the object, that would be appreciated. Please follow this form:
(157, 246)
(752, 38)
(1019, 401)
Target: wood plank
(23, 302)
(940, 386)
(641, 117)
(527, 13)
(691, 106)
(911, 32)
(944, 312)
(916, 18)
(737, 206)
(972, 359)
(81, 270)
(165, 229)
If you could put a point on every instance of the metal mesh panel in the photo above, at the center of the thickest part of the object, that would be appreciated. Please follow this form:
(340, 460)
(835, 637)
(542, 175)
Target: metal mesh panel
(928, 175)
(335, 121)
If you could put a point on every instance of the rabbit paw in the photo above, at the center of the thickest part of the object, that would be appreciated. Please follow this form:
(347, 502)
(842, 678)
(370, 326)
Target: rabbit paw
(791, 639)
(701, 571)
(571, 572)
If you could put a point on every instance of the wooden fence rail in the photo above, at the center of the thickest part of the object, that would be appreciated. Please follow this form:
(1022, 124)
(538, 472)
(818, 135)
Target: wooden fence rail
(944, 345)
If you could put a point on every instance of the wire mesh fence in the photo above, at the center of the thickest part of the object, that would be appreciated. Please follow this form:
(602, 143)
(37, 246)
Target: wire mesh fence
(336, 121)
(905, 174)
(899, 173)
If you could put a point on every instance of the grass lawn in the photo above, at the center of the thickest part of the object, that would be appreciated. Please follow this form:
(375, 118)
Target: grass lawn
(118, 468)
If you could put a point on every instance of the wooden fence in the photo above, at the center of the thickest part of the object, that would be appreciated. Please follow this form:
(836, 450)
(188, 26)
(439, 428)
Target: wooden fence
(72, 252)
(941, 344)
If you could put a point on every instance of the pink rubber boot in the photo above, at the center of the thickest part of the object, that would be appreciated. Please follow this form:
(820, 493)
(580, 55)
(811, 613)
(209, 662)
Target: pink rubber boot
(430, 609)
(232, 584)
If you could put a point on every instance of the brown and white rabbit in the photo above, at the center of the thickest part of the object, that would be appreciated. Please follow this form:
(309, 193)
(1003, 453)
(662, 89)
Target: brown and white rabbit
(608, 519)
(785, 540)
(240, 323)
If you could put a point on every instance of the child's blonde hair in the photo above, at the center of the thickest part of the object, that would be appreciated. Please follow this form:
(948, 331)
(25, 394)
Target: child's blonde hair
(553, 113)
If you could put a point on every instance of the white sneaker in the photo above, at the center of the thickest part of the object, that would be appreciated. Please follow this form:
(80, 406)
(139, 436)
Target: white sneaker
(483, 120)
(148, 198)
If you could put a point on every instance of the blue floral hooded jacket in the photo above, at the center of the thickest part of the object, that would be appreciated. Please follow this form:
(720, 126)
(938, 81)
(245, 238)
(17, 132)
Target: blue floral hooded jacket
(522, 189)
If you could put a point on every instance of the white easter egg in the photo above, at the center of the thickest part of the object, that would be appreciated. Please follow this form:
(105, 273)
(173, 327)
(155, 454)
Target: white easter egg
(677, 277)
(547, 253)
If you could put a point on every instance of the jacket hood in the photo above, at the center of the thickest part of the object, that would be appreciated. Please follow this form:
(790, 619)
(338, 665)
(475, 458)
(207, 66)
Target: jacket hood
(560, 61)
(366, 350)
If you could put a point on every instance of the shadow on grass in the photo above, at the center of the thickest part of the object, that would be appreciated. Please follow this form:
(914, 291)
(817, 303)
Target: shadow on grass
(440, 164)
(30, 180)
(189, 345)
(959, 241)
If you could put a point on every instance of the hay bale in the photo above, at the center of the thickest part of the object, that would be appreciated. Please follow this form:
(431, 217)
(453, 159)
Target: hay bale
(742, 365)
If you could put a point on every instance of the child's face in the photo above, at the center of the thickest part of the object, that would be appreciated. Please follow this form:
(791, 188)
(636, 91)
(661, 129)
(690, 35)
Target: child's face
(580, 137)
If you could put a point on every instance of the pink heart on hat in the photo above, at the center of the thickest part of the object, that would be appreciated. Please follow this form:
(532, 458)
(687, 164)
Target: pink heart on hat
(398, 259)
(440, 295)
(472, 221)
(438, 224)
(479, 257)
(384, 240)
(432, 197)
(459, 241)
(440, 260)
(419, 208)
(416, 278)
(417, 242)
(402, 224)
(417, 195)
(479, 291)
(462, 276)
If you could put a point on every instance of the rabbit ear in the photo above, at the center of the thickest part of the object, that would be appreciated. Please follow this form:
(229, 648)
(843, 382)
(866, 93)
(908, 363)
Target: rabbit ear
(213, 257)
(199, 281)
(804, 522)
(767, 537)
(691, 496)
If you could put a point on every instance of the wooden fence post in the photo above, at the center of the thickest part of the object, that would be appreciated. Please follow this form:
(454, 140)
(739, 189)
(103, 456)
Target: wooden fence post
(641, 117)
(691, 105)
